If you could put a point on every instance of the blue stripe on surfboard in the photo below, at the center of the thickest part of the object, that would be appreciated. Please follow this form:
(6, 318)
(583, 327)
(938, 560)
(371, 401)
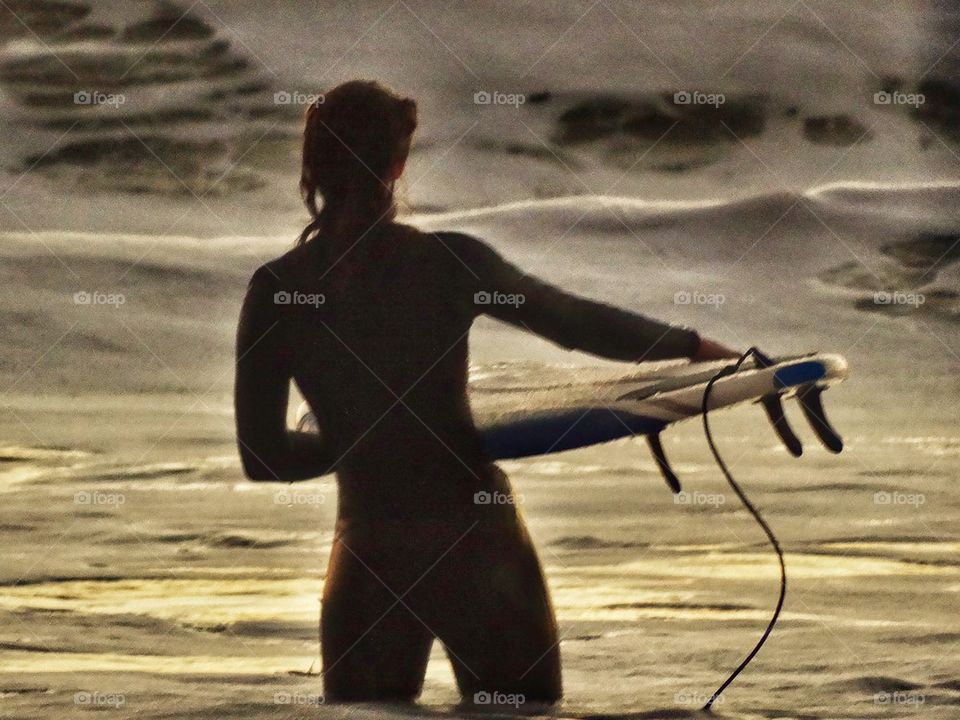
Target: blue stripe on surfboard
(799, 374)
(565, 430)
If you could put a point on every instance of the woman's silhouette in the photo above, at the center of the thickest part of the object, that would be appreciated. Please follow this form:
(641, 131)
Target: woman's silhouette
(370, 318)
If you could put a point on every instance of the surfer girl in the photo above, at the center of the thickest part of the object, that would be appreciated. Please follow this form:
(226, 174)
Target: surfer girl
(370, 318)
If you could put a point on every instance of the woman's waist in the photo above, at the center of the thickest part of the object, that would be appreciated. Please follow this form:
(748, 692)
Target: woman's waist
(404, 495)
(456, 465)
(429, 527)
(444, 447)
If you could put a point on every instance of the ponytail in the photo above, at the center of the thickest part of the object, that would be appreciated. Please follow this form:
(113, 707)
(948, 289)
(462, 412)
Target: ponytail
(352, 141)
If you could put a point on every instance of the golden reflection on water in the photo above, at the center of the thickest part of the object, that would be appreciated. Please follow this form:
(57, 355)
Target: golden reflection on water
(255, 664)
(898, 547)
(439, 673)
(195, 601)
(251, 594)
(758, 566)
(214, 602)
(659, 588)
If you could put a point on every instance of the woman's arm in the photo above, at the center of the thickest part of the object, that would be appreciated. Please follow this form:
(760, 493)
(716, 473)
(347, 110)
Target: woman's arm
(268, 450)
(712, 350)
(573, 322)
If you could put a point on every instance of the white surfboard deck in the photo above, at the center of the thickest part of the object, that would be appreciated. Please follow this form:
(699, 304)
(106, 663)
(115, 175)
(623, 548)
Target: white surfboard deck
(600, 405)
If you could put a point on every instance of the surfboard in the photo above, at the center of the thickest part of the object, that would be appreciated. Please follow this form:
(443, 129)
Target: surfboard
(518, 420)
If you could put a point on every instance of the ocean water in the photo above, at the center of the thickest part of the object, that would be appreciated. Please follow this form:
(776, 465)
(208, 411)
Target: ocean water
(143, 576)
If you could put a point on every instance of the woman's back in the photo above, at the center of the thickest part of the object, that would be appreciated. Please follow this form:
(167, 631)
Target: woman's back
(376, 340)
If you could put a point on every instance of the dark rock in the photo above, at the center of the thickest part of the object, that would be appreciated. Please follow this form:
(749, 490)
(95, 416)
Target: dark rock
(839, 130)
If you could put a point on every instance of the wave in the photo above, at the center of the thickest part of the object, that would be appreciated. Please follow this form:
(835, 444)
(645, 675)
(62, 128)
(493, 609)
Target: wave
(863, 198)
(923, 206)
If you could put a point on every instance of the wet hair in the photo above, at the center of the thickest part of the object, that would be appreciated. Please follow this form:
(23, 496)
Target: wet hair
(352, 139)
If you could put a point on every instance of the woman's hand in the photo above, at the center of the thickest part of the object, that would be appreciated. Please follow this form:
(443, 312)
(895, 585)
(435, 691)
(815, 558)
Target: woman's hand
(712, 350)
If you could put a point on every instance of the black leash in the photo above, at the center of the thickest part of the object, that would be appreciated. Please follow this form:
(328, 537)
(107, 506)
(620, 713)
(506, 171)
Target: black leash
(729, 370)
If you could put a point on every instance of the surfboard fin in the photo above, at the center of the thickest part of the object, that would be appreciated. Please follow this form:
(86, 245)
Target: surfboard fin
(773, 406)
(656, 448)
(811, 403)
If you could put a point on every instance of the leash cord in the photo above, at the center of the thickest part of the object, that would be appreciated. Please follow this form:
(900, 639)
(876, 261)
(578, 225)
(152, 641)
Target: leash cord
(729, 370)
